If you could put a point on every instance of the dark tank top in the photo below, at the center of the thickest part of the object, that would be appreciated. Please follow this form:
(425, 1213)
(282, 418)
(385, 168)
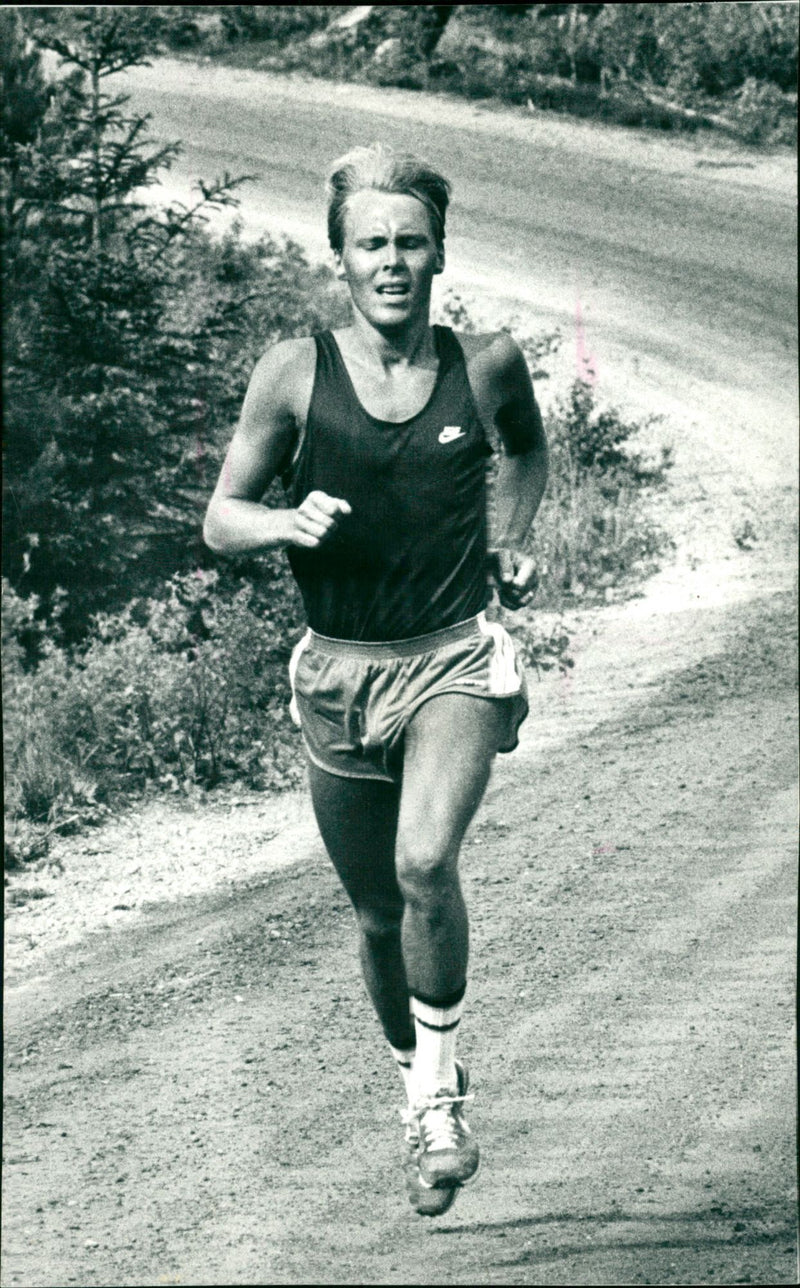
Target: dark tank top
(411, 558)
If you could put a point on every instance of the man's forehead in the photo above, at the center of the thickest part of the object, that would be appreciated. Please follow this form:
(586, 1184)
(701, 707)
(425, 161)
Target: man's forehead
(371, 207)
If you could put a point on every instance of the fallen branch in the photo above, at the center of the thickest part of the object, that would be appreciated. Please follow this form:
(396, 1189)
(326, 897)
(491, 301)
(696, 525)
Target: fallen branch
(627, 93)
(685, 113)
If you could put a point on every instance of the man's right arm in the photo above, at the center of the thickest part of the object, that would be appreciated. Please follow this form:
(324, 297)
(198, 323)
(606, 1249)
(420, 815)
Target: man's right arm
(275, 407)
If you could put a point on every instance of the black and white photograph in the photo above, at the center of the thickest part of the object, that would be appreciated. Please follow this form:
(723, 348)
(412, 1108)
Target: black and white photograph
(399, 644)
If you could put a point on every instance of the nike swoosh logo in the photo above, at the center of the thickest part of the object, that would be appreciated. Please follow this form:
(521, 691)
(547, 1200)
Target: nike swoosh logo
(451, 432)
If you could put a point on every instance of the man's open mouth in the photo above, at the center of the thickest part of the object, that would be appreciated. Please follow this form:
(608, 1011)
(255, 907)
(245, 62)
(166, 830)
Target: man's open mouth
(394, 288)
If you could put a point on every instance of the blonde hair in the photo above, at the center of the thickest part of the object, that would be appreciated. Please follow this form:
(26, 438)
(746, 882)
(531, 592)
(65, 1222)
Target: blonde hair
(378, 167)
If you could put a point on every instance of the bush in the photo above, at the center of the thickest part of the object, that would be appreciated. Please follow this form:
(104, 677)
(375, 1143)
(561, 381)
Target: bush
(278, 22)
(43, 779)
(594, 544)
(595, 534)
(599, 442)
(763, 114)
(188, 689)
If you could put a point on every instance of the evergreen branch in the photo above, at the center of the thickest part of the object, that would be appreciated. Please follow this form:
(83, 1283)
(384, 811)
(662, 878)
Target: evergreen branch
(180, 216)
(66, 52)
(123, 63)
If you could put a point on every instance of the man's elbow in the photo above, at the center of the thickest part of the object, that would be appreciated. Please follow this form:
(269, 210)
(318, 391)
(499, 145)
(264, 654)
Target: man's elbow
(544, 456)
(536, 457)
(213, 531)
(539, 453)
(543, 470)
(534, 467)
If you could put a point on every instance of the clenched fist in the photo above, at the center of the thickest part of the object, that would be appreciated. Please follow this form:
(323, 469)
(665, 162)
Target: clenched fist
(515, 574)
(316, 519)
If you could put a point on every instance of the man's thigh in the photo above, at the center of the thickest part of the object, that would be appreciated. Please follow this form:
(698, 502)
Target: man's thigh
(357, 818)
(450, 745)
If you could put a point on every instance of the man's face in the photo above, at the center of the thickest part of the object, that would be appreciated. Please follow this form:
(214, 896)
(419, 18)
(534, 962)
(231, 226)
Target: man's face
(390, 256)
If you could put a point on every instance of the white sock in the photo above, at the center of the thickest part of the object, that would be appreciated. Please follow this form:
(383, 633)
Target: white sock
(404, 1063)
(434, 1063)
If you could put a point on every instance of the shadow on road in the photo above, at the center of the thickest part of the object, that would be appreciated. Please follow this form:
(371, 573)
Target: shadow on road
(725, 1229)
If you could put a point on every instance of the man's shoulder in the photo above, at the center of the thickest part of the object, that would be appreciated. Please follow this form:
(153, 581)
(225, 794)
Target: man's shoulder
(490, 355)
(287, 357)
(285, 371)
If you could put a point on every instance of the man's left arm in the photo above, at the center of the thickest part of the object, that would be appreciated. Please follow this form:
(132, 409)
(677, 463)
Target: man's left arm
(521, 477)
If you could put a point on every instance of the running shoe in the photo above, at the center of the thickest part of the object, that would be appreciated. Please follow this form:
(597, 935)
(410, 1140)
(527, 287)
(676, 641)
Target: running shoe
(447, 1155)
(433, 1198)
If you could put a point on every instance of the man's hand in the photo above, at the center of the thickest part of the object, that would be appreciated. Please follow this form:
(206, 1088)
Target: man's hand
(515, 575)
(316, 519)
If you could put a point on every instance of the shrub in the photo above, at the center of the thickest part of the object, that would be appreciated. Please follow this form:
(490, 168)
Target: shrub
(43, 778)
(764, 114)
(600, 442)
(596, 531)
(595, 534)
(188, 689)
(121, 445)
(278, 22)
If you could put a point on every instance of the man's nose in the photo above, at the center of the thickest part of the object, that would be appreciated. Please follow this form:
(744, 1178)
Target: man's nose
(393, 255)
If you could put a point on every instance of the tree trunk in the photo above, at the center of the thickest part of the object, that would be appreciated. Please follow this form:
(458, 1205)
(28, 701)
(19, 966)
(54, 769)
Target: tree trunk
(572, 41)
(97, 201)
(432, 20)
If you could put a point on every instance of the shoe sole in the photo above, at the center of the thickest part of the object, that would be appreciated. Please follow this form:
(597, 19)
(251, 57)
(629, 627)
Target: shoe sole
(444, 1206)
(451, 1191)
(447, 1183)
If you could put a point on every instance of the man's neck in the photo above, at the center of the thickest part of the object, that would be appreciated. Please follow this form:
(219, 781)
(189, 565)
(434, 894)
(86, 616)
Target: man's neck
(407, 346)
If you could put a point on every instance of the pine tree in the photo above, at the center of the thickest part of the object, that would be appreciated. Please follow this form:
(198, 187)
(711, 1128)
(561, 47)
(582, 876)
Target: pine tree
(96, 394)
(24, 98)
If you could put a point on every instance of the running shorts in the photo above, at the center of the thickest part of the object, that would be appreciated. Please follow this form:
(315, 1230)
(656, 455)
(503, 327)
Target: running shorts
(353, 700)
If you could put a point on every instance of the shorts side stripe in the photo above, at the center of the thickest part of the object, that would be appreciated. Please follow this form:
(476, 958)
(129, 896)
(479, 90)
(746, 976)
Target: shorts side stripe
(503, 676)
(294, 661)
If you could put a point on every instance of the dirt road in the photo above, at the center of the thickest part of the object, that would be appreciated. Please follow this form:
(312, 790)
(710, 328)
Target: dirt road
(197, 1092)
(203, 1098)
(678, 255)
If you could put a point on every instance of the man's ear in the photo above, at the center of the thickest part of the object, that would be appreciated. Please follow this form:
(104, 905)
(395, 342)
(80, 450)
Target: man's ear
(439, 259)
(341, 272)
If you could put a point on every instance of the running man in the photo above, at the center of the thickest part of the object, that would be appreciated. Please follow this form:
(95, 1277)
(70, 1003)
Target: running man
(404, 691)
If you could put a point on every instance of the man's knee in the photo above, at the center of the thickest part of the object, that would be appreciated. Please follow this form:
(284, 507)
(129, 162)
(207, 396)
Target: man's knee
(426, 869)
(380, 925)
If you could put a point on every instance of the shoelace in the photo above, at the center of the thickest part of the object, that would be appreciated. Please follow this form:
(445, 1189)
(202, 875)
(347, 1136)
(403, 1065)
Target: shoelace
(441, 1130)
